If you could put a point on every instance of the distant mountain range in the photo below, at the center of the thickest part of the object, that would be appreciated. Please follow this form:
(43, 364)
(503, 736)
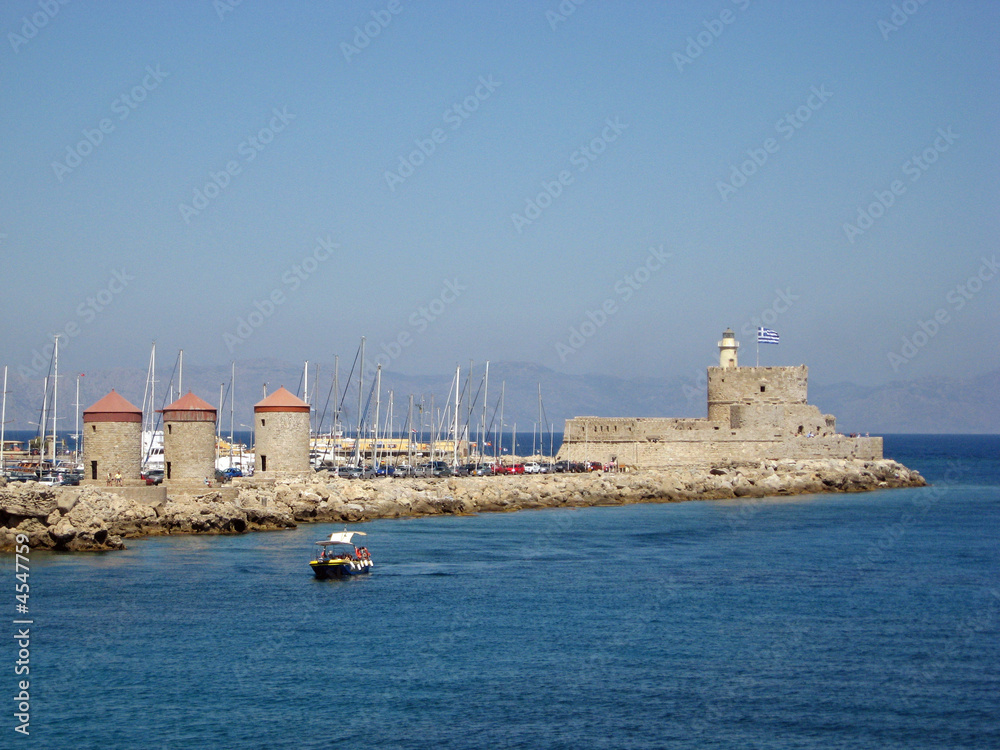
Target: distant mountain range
(927, 405)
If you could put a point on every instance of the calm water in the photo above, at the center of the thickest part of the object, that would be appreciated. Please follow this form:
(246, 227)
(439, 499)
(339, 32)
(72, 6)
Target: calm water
(835, 621)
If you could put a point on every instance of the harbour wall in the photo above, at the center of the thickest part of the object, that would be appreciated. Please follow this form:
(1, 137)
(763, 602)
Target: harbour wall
(95, 518)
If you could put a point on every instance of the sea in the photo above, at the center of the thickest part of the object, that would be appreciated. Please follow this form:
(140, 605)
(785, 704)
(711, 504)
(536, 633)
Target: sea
(867, 620)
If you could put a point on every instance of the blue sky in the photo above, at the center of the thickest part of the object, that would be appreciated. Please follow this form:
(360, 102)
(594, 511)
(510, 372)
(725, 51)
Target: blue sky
(602, 191)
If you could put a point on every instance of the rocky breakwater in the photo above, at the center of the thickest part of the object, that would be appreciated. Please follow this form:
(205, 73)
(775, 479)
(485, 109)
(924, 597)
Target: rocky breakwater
(96, 519)
(93, 518)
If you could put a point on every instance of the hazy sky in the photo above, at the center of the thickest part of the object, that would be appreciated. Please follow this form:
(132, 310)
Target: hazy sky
(601, 187)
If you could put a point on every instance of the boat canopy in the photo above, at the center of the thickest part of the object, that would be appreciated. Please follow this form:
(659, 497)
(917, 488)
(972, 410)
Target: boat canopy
(342, 537)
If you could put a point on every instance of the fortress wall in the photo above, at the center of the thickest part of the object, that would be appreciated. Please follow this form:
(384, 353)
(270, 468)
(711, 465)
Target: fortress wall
(630, 428)
(763, 421)
(754, 385)
(721, 451)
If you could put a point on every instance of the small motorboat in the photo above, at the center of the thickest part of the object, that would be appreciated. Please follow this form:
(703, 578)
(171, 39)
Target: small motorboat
(339, 557)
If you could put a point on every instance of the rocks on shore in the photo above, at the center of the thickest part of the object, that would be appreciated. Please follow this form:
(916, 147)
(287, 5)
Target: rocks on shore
(93, 518)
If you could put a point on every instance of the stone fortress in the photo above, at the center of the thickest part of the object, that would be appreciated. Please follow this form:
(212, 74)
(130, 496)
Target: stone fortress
(754, 414)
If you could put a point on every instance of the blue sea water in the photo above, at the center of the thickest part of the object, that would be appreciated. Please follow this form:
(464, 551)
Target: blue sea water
(865, 620)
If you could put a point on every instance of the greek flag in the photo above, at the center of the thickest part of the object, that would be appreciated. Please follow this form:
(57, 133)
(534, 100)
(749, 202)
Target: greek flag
(767, 336)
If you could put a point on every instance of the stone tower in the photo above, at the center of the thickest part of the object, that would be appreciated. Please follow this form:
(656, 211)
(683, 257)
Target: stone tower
(188, 441)
(112, 440)
(281, 424)
(727, 349)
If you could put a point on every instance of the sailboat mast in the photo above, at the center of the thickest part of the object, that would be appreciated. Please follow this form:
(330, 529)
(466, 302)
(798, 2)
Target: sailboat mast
(409, 432)
(361, 386)
(152, 391)
(541, 427)
(458, 372)
(218, 423)
(76, 425)
(55, 396)
(378, 408)
(232, 407)
(3, 420)
(486, 392)
(44, 419)
(433, 428)
(180, 373)
(336, 395)
(499, 445)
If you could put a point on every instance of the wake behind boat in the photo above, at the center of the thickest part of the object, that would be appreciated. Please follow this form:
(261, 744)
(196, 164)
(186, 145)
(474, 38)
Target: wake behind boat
(339, 557)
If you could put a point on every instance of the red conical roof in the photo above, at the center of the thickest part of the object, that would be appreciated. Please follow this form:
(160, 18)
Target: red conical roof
(189, 402)
(189, 408)
(282, 400)
(113, 408)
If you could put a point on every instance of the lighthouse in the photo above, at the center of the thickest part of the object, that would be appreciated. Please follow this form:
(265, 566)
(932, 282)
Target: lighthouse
(727, 349)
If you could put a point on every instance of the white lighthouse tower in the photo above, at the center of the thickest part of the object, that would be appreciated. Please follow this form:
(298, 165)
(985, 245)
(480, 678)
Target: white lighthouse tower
(727, 349)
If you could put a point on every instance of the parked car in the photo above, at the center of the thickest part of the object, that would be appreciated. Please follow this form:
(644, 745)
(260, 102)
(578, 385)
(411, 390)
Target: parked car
(153, 476)
(532, 467)
(231, 472)
(512, 469)
(349, 472)
(440, 469)
(72, 479)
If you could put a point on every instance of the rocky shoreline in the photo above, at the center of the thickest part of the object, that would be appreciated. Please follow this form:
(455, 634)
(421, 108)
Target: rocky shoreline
(98, 518)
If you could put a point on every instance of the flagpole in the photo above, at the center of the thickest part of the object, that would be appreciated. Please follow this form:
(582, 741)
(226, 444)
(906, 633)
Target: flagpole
(758, 347)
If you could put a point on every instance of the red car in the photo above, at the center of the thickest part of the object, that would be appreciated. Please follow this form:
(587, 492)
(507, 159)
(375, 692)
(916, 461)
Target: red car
(502, 469)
